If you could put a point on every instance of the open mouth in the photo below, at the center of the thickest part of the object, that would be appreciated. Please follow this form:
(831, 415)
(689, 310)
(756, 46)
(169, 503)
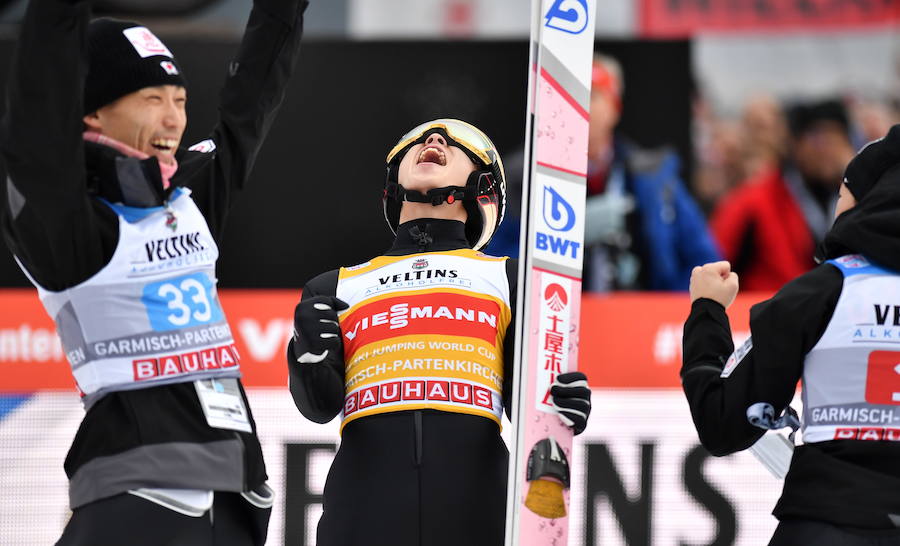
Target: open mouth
(164, 144)
(432, 155)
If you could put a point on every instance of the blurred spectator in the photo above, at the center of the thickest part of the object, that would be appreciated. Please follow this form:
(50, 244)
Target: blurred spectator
(730, 151)
(720, 160)
(872, 119)
(769, 226)
(643, 230)
(765, 135)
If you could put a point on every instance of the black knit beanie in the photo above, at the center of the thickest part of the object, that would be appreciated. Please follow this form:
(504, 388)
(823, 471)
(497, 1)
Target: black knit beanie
(123, 57)
(875, 159)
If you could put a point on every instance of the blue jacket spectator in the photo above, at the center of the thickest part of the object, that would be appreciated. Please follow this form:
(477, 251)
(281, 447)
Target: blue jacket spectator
(643, 230)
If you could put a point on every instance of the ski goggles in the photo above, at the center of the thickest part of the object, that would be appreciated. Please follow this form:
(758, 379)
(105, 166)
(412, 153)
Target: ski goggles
(464, 135)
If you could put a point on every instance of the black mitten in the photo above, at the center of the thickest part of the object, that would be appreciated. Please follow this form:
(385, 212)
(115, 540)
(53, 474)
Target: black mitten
(572, 398)
(317, 335)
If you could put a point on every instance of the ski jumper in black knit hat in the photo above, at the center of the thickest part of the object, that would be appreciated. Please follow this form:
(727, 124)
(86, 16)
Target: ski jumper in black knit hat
(151, 463)
(125, 56)
(835, 329)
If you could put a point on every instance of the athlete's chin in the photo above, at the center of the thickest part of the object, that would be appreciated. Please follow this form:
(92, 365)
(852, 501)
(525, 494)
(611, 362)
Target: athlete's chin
(424, 183)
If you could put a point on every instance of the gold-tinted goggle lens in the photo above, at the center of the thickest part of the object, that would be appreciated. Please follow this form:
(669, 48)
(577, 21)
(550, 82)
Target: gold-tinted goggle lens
(461, 132)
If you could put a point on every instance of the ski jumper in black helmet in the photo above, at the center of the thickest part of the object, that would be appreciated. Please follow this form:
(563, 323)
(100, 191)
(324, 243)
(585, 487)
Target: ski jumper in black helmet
(483, 196)
(414, 349)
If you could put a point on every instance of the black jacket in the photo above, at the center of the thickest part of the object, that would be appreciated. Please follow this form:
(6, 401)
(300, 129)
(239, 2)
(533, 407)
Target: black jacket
(845, 482)
(62, 234)
(443, 473)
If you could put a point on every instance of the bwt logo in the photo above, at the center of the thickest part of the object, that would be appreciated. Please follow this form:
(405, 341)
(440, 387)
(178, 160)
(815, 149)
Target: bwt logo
(568, 16)
(558, 216)
(558, 213)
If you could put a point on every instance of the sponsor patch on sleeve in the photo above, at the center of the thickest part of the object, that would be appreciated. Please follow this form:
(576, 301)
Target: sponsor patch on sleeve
(204, 146)
(736, 357)
(145, 42)
(853, 261)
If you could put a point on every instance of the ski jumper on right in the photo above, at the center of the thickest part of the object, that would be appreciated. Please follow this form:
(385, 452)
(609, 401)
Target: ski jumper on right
(837, 328)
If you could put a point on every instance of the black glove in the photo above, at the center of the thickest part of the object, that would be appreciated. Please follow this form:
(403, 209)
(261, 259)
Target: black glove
(872, 162)
(317, 335)
(572, 398)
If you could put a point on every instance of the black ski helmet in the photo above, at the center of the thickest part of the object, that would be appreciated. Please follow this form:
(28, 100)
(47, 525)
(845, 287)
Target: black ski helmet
(484, 196)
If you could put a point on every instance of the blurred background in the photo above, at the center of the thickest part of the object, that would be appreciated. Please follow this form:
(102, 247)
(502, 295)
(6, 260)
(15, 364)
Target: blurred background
(719, 128)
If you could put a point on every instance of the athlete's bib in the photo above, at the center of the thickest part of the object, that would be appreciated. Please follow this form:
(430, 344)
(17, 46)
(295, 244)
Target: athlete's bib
(851, 378)
(151, 316)
(425, 331)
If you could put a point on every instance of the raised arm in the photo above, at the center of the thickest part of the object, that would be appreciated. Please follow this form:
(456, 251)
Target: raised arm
(253, 91)
(766, 369)
(48, 219)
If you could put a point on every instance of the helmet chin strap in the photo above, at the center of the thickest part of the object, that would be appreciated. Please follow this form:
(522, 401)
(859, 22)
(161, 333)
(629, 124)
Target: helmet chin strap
(435, 196)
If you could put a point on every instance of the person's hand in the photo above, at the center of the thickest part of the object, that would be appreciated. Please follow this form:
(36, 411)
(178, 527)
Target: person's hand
(317, 334)
(571, 397)
(715, 281)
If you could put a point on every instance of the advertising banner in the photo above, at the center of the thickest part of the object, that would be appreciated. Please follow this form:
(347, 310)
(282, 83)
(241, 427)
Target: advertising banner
(628, 340)
(639, 475)
(681, 18)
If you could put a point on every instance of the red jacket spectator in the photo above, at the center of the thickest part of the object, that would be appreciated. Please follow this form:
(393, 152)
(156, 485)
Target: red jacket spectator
(769, 227)
(761, 230)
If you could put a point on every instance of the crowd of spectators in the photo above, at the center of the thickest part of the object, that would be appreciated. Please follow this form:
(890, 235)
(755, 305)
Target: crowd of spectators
(761, 193)
(768, 178)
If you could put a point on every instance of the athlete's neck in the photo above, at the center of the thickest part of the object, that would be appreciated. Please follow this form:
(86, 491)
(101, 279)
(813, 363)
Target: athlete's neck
(429, 235)
(166, 170)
